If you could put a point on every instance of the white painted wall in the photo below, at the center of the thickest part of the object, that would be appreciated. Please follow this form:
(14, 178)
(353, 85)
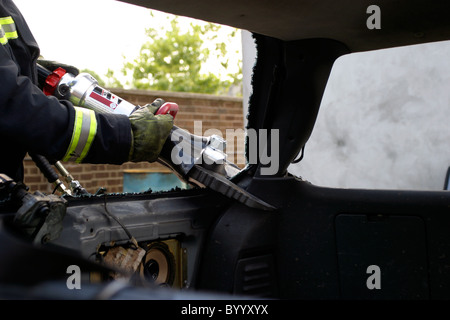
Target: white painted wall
(384, 122)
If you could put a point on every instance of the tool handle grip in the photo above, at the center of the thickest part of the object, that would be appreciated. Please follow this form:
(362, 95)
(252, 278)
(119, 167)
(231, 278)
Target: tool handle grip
(44, 165)
(168, 108)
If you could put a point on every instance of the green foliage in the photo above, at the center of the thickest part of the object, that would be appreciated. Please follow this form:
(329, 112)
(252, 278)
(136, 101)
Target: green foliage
(175, 59)
(112, 81)
(95, 75)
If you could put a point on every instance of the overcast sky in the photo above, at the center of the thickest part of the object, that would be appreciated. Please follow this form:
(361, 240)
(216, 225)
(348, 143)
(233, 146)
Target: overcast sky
(89, 34)
(85, 33)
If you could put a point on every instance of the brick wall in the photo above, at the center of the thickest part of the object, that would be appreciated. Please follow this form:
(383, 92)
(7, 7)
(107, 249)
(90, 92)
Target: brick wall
(213, 112)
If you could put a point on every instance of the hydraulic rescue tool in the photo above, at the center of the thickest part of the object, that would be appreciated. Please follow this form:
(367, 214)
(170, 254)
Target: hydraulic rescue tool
(199, 160)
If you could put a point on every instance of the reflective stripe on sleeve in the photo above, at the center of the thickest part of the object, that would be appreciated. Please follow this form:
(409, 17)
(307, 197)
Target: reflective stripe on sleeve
(84, 132)
(7, 30)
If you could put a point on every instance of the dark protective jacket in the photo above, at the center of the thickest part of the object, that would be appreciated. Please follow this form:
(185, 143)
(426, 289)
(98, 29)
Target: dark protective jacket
(32, 122)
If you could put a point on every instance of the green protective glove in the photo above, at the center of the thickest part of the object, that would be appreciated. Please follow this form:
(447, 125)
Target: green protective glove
(155, 105)
(53, 65)
(149, 132)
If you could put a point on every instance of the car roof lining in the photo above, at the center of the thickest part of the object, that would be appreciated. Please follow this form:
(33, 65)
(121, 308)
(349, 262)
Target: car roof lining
(403, 22)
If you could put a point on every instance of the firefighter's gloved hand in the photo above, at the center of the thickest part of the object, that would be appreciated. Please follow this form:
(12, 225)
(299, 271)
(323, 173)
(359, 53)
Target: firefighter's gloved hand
(155, 105)
(149, 133)
(53, 65)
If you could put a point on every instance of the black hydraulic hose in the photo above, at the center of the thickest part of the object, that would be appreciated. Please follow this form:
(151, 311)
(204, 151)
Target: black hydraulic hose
(47, 170)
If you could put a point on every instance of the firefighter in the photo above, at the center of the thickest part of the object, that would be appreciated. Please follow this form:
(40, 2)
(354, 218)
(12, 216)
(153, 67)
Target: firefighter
(32, 122)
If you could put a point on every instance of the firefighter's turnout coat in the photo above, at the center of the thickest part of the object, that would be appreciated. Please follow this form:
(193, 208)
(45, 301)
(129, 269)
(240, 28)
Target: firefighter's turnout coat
(35, 123)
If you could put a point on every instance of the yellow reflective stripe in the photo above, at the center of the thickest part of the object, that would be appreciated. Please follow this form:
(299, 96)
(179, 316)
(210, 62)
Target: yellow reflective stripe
(11, 35)
(84, 131)
(3, 38)
(7, 30)
(6, 20)
(75, 135)
(91, 135)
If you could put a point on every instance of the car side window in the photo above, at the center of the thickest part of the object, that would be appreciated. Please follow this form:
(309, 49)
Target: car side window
(383, 122)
